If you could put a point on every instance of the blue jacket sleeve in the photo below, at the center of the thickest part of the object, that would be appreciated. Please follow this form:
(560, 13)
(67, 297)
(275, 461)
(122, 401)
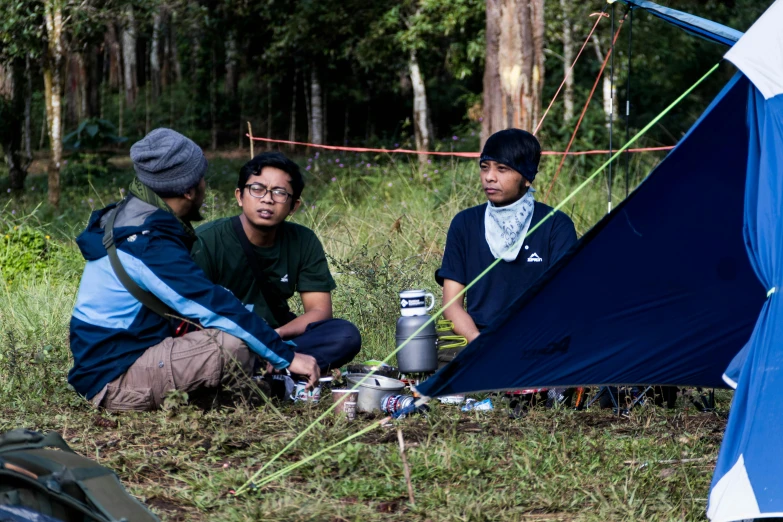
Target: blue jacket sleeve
(168, 271)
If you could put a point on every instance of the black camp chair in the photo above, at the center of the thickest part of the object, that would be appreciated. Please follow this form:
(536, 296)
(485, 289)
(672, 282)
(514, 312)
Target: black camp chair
(609, 397)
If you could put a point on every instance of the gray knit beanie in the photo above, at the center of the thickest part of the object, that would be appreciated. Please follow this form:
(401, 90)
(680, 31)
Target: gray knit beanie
(168, 162)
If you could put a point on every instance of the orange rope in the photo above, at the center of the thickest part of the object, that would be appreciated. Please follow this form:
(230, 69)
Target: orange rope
(459, 154)
(584, 109)
(568, 72)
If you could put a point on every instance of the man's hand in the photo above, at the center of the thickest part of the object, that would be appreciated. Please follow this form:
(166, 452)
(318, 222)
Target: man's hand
(306, 365)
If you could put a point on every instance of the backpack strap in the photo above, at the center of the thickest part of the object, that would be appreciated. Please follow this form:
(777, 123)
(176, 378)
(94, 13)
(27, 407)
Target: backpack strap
(144, 297)
(107, 495)
(22, 439)
(269, 293)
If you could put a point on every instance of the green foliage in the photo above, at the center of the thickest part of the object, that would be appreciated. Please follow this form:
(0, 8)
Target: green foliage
(21, 29)
(22, 249)
(93, 134)
(83, 169)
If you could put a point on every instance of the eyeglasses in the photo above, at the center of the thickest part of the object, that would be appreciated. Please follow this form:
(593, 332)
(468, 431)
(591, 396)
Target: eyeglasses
(259, 191)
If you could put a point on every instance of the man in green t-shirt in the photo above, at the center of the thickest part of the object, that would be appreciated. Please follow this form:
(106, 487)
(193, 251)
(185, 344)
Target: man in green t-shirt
(263, 259)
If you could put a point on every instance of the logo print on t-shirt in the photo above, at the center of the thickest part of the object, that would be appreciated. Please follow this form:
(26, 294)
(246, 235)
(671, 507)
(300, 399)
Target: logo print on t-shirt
(284, 279)
(534, 258)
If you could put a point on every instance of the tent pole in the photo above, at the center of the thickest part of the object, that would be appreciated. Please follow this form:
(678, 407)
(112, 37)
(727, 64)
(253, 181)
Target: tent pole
(628, 104)
(611, 118)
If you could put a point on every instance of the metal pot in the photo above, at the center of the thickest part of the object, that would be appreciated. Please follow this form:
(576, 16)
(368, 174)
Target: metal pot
(420, 354)
(373, 389)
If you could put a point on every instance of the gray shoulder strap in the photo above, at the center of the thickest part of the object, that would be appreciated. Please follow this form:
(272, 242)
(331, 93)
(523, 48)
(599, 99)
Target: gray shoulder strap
(146, 298)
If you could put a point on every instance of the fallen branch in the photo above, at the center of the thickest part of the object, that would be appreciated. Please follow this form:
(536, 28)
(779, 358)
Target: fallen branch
(673, 461)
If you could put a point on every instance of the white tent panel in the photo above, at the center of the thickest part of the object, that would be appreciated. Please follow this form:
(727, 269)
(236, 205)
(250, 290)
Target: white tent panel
(759, 53)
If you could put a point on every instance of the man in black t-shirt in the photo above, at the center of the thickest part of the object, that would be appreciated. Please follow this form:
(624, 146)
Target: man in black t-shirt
(263, 259)
(480, 235)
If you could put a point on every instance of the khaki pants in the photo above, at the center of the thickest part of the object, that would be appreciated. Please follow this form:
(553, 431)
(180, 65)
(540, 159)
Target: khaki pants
(201, 359)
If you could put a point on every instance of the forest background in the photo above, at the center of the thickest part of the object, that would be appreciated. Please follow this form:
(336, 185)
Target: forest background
(82, 80)
(425, 74)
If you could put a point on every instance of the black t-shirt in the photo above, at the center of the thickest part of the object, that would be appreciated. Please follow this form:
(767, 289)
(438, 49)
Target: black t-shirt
(467, 254)
(295, 263)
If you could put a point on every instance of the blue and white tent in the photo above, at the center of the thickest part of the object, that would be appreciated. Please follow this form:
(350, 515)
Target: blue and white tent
(747, 481)
(694, 257)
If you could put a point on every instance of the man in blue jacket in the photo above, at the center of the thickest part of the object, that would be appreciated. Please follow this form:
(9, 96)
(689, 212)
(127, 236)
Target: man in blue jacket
(125, 355)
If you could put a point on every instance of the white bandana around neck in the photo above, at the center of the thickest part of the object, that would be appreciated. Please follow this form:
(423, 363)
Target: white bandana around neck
(504, 226)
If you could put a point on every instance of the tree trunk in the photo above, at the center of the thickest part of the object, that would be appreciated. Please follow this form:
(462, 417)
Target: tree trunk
(129, 57)
(82, 83)
(421, 126)
(606, 84)
(268, 113)
(345, 126)
(107, 59)
(325, 119)
(28, 116)
(514, 65)
(71, 95)
(195, 49)
(93, 82)
(120, 107)
(292, 123)
(112, 43)
(147, 107)
(12, 102)
(213, 99)
(307, 94)
(316, 109)
(176, 64)
(155, 48)
(54, 69)
(232, 79)
(568, 58)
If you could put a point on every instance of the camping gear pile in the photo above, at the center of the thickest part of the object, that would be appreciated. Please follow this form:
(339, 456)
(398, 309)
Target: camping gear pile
(373, 389)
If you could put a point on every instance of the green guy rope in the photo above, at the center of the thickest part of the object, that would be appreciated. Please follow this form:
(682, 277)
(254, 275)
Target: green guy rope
(578, 189)
(284, 471)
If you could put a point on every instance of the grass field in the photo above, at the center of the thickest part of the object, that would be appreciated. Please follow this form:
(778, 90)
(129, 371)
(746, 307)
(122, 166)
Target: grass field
(383, 224)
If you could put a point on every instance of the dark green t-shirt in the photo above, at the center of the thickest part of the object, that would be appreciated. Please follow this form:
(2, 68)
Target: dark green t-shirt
(296, 263)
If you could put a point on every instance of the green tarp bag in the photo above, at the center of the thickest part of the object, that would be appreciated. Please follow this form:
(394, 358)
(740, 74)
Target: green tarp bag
(40, 472)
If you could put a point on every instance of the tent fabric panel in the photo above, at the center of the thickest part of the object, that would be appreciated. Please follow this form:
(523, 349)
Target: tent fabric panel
(659, 292)
(695, 25)
(736, 497)
(756, 409)
(759, 54)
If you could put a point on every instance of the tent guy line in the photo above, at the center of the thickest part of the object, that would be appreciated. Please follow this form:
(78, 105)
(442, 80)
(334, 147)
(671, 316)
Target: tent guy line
(284, 471)
(432, 318)
(584, 111)
(436, 153)
(600, 15)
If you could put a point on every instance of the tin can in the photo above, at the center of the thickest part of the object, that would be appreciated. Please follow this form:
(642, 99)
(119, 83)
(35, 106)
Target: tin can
(302, 394)
(393, 403)
(349, 408)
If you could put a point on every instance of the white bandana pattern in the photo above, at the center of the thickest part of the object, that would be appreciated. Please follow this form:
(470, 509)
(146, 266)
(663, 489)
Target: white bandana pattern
(504, 226)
